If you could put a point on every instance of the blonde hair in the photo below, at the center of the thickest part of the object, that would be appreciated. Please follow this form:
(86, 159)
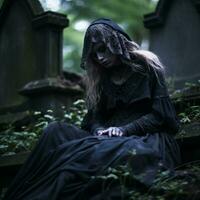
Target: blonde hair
(93, 86)
(148, 58)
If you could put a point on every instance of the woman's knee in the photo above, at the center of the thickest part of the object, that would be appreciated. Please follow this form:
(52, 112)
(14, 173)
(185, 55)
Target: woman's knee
(51, 127)
(62, 131)
(59, 127)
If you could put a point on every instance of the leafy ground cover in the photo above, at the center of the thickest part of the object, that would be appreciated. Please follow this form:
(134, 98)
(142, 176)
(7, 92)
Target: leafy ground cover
(183, 184)
(21, 135)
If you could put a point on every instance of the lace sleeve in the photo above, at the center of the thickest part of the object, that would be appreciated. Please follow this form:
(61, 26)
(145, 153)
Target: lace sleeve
(162, 116)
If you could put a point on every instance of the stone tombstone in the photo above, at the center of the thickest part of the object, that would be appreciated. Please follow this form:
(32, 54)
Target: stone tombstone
(174, 37)
(31, 58)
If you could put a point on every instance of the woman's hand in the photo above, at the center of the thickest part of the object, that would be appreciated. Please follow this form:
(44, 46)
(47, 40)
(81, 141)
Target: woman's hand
(111, 131)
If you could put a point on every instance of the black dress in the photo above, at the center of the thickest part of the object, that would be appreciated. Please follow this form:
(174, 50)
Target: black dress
(66, 157)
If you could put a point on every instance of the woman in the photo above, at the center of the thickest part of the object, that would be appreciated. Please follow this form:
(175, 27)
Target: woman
(129, 110)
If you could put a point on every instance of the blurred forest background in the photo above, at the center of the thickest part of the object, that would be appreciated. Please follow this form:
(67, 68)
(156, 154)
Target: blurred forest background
(127, 13)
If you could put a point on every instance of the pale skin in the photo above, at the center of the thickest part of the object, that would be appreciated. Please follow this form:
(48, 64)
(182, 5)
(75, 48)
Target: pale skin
(111, 131)
(105, 58)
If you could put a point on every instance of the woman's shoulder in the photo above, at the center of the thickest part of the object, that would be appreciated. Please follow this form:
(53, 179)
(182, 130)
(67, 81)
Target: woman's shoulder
(147, 61)
(152, 78)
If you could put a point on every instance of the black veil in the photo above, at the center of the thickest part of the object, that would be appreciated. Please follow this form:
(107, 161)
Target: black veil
(108, 32)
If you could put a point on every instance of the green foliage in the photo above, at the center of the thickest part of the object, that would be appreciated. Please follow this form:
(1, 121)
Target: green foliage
(190, 111)
(190, 114)
(18, 139)
(131, 17)
(179, 94)
(189, 85)
(184, 183)
(76, 113)
(15, 138)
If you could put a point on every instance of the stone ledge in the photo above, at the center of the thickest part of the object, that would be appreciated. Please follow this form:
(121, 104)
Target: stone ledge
(47, 85)
(13, 160)
(50, 18)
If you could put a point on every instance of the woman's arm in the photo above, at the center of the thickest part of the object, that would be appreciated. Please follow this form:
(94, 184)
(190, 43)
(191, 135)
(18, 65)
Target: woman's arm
(162, 116)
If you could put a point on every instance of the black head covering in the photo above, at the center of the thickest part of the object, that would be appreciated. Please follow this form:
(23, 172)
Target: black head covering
(112, 24)
(111, 34)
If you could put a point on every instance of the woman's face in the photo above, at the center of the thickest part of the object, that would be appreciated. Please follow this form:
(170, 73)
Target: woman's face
(103, 56)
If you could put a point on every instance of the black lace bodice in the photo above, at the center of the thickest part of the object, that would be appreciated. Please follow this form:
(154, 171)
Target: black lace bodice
(126, 93)
(139, 106)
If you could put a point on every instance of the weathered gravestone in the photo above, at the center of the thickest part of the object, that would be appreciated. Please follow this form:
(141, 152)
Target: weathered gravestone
(174, 36)
(31, 58)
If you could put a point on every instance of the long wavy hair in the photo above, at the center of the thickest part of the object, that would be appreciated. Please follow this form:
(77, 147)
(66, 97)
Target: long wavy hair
(128, 52)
